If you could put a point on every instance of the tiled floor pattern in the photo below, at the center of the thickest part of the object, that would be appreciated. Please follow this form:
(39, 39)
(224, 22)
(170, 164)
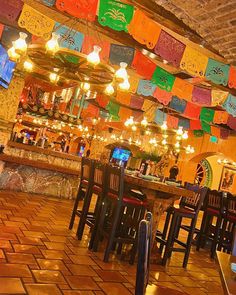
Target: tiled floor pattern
(39, 255)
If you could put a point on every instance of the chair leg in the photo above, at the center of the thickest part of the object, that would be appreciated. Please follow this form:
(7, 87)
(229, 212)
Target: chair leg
(100, 223)
(170, 240)
(216, 235)
(96, 222)
(222, 234)
(202, 232)
(82, 221)
(189, 243)
(111, 237)
(76, 203)
(165, 229)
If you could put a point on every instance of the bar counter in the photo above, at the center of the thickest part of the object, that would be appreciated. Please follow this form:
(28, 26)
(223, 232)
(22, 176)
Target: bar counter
(36, 170)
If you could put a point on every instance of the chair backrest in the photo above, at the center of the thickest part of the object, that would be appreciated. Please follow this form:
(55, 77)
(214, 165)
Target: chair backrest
(230, 205)
(87, 169)
(115, 181)
(99, 175)
(195, 201)
(144, 250)
(214, 200)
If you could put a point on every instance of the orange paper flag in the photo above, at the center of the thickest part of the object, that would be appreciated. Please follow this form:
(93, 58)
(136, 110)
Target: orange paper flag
(123, 98)
(182, 89)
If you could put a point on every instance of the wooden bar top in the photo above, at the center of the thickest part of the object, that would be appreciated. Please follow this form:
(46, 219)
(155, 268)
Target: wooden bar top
(228, 277)
(37, 164)
(40, 150)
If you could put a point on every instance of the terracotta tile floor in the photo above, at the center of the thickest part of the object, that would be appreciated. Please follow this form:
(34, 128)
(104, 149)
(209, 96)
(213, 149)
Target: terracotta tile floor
(39, 255)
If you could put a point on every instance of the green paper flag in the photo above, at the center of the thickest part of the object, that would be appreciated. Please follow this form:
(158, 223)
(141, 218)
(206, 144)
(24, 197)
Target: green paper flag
(198, 133)
(207, 115)
(115, 15)
(163, 79)
(206, 127)
(113, 109)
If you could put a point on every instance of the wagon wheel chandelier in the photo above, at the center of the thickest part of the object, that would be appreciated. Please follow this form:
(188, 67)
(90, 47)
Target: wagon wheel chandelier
(52, 63)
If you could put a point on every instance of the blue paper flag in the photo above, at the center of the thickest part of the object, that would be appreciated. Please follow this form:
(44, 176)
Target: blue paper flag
(178, 104)
(146, 88)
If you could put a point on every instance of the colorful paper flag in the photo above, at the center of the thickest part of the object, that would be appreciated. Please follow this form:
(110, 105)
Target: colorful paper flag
(192, 111)
(120, 53)
(163, 79)
(143, 65)
(178, 104)
(230, 105)
(207, 115)
(201, 96)
(146, 88)
(217, 72)
(162, 96)
(182, 89)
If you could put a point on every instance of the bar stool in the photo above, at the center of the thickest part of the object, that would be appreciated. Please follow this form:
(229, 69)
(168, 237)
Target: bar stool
(189, 208)
(214, 207)
(97, 187)
(120, 215)
(85, 185)
(228, 225)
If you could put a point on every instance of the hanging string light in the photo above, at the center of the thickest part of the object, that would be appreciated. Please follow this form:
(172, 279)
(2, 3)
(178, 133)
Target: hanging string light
(93, 57)
(53, 77)
(185, 135)
(125, 85)
(13, 56)
(121, 73)
(28, 66)
(144, 122)
(109, 90)
(52, 45)
(20, 44)
(180, 131)
(164, 126)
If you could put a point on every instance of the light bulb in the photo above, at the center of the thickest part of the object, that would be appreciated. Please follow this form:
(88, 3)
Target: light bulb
(180, 131)
(121, 73)
(53, 77)
(164, 126)
(86, 86)
(13, 56)
(144, 122)
(20, 44)
(125, 85)
(185, 135)
(28, 66)
(109, 89)
(134, 128)
(165, 136)
(177, 150)
(52, 45)
(164, 142)
(148, 132)
(177, 145)
(93, 57)
(192, 150)
(178, 137)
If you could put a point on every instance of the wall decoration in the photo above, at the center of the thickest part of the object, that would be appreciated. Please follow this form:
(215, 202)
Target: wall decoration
(230, 105)
(144, 30)
(146, 88)
(201, 96)
(11, 9)
(217, 72)
(207, 115)
(182, 89)
(162, 96)
(194, 62)
(49, 3)
(178, 104)
(35, 22)
(169, 48)
(89, 42)
(204, 174)
(192, 111)
(115, 14)
(228, 180)
(218, 97)
(143, 65)
(195, 125)
(120, 53)
(232, 77)
(79, 8)
(69, 38)
(163, 79)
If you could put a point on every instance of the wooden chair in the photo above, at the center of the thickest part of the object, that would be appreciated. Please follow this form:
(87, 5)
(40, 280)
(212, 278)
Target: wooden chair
(214, 207)
(228, 225)
(120, 215)
(189, 209)
(96, 187)
(84, 187)
(144, 251)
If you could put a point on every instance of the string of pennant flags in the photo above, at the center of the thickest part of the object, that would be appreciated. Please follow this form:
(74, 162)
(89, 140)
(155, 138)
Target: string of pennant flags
(189, 100)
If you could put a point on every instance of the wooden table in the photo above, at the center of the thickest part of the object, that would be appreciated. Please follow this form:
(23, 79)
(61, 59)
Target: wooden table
(228, 278)
(159, 195)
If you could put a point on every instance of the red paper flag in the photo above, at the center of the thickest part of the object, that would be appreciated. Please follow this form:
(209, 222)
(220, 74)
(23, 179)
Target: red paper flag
(215, 131)
(88, 44)
(102, 101)
(79, 8)
(172, 122)
(232, 77)
(192, 111)
(162, 96)
(143, 65)
(195, 125)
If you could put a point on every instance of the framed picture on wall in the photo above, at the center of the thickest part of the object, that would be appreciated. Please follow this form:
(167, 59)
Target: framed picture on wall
(228, 180)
